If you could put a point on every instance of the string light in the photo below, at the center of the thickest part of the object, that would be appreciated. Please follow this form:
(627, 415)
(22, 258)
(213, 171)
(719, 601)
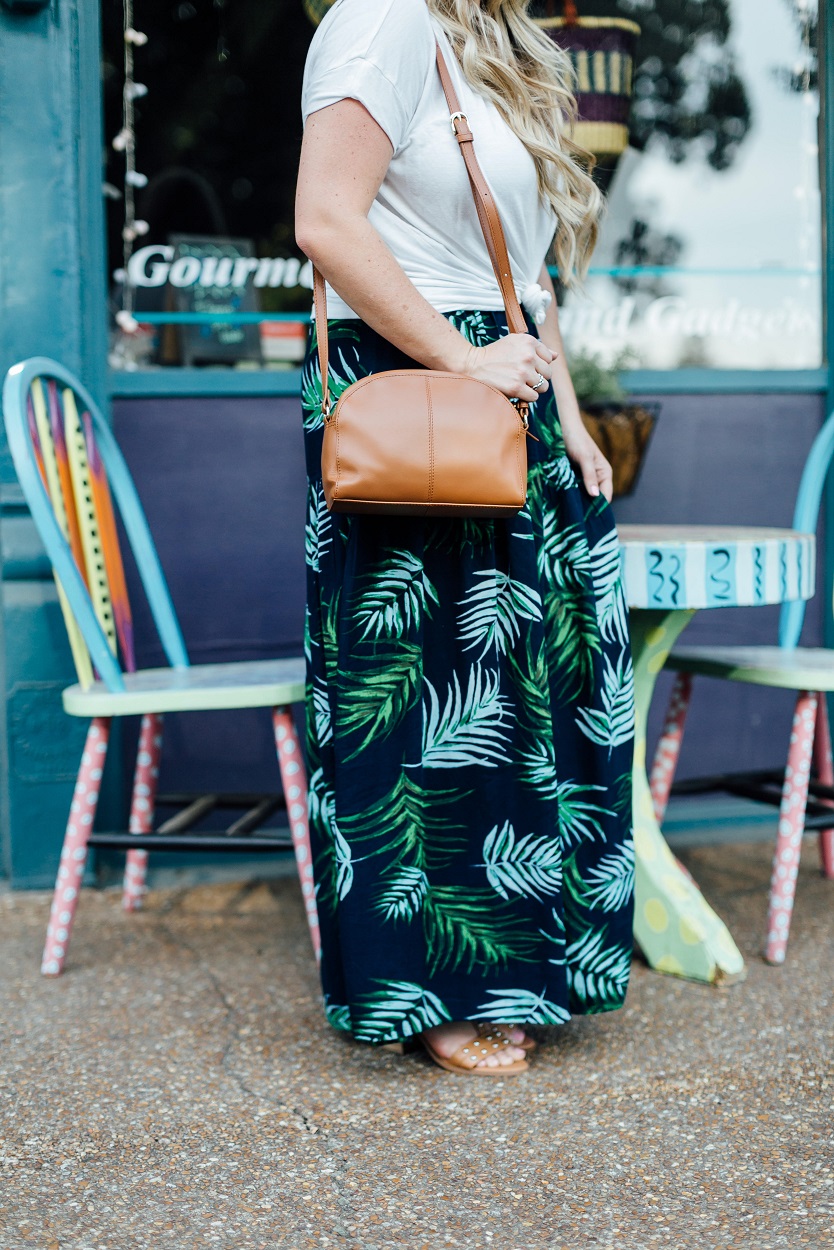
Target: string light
(125, 141)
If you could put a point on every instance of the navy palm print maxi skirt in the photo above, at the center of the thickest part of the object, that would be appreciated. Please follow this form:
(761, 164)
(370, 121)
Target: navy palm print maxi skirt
(469, 738)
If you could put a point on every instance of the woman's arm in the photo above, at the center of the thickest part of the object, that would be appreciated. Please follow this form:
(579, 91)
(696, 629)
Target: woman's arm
(344, 157)
(581, 448)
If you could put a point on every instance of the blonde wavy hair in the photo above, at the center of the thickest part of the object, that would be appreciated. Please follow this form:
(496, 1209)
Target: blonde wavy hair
(506, 57)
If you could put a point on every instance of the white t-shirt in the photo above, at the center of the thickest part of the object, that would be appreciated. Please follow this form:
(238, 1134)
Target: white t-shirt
(382, 53)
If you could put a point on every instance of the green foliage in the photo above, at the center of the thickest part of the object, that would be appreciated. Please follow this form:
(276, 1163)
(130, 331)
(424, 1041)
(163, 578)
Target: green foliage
(596, 383)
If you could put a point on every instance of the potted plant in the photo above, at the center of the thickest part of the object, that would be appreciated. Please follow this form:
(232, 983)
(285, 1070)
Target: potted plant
(620, 427)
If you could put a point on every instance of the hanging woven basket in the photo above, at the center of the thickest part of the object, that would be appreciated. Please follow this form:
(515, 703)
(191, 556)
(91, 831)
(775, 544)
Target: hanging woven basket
(602, 51)
(316, 9)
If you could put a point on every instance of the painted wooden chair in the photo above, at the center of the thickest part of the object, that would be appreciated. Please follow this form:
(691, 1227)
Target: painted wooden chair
(68, 463)
(810, 672)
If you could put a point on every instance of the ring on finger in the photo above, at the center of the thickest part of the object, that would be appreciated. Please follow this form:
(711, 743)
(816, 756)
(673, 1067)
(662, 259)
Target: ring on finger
(540, 383)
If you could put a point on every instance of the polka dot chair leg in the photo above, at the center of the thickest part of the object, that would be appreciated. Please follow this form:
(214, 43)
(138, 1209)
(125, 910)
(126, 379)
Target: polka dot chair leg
(145, 780)
(825, 773)
(791, 827)
(74, 853)
(669, 746)
(295, 792)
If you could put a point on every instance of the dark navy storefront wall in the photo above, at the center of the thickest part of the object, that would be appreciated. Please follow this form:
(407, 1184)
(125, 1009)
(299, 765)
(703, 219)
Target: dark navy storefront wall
(222, 481)
(223, 484)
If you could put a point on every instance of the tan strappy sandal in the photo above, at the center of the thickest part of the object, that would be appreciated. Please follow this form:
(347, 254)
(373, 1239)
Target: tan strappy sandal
(529, 1044)
(466, 1058)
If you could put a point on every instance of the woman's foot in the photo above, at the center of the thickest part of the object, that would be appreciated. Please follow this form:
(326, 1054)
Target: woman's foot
(514, 1032)
(446, 1039)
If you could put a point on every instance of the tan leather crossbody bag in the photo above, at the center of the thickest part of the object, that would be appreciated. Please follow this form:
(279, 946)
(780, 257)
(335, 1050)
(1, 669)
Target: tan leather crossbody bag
(419, 441)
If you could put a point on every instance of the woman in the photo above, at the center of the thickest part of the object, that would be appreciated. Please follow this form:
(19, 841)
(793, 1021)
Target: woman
(470, 685)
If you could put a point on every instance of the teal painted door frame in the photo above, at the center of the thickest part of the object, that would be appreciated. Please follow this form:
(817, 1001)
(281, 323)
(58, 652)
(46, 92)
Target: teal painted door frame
(53, 302)
(826, 61)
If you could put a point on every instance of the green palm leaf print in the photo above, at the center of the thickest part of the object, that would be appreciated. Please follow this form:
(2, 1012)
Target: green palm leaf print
(538, 768)
(525, 535)
(470, 728)
(522, 1006)
(311, 388)
(559, 473)
(621, 790)
(321, 711)
(403, 894)
(495, 609)
(612, 725)
(399, 1009)
(528, 673)
(577, 817)
(557, 939)
(330, 634)
(338, 1016)
(606, 570)
(473, 327)
(308, 641)
(375, 702)
(458, 535)
(597, 971)
(463, 929)
(531, 866)
(395, 596)
(334, 867)
(318, 531)
(409, 822)
(564, 559)
(571, 640)
(344, 864)
(608, 886)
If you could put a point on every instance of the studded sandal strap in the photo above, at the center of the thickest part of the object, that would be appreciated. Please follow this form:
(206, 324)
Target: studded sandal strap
(481, 1047)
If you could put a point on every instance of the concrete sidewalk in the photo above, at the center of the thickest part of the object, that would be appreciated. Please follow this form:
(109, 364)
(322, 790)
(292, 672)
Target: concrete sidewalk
(178, 1087)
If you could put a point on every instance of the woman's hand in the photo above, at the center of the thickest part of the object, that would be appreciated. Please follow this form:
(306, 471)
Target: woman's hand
(587, 459)
(514, 365)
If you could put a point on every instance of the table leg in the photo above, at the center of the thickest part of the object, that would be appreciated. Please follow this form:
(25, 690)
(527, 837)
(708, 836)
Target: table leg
(674, 926)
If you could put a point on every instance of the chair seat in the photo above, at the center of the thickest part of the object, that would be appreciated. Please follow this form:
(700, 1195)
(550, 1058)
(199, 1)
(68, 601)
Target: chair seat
(203, 687)
(800, 668)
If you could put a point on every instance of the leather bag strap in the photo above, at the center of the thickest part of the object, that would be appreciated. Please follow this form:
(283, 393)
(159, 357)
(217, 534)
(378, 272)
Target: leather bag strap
(488, 216)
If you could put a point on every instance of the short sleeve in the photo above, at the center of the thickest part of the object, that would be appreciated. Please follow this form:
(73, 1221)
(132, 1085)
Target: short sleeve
(379, 52)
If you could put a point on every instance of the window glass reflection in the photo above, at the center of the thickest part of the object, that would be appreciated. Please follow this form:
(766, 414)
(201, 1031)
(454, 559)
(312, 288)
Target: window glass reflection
(710, 254)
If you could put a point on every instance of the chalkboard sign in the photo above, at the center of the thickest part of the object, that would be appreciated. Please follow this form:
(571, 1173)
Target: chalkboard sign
(210, 274)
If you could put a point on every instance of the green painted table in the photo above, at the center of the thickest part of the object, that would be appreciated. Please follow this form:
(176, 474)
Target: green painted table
(672, 571)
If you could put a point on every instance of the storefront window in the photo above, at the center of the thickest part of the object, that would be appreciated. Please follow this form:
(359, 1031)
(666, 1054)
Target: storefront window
(709, 255)
(217, 134)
